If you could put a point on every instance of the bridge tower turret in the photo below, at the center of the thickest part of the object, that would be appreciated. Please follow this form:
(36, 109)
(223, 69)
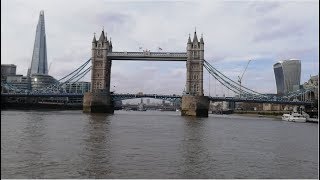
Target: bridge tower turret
(195, 52)
(110, 46)
(99, 99)
(194, 103)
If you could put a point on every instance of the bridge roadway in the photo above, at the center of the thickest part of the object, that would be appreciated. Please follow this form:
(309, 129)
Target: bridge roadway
(164, 97)
(148, 56)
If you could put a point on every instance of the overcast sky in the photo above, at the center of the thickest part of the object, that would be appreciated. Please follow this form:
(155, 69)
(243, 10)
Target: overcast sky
(233, 31)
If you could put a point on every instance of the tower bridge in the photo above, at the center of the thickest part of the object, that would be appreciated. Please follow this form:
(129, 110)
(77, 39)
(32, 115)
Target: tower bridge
(100, 100)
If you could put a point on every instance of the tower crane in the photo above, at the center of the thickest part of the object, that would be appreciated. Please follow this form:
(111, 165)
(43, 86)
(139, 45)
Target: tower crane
(240, 78)
(49, 67)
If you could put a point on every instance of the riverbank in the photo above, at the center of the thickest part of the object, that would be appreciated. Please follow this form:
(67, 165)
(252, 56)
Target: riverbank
(42, 106)
(258, 115)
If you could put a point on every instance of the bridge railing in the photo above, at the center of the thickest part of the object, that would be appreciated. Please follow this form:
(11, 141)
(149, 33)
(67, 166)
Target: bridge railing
(146, 53)
(172, 98)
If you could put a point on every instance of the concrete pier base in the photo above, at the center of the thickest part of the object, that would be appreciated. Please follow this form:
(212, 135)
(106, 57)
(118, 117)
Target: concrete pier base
(195, 106)
(97, 102)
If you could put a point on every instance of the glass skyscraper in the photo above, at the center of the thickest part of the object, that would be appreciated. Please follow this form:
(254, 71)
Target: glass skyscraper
(39, 57)
(287, 74)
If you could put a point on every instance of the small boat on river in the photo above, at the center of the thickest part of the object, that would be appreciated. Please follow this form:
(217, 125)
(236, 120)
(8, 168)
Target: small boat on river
(294, 117)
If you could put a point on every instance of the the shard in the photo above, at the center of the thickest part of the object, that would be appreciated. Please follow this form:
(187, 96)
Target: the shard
(39, 63)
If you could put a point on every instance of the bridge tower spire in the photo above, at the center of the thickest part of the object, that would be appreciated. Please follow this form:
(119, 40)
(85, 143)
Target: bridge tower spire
(99, 99)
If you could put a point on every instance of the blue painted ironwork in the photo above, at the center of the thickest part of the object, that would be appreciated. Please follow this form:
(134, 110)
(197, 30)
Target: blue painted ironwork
(148, 56)
(171, 98)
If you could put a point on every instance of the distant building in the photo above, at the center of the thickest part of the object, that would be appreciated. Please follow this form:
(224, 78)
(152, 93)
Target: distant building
(287, 74)
(313, 85)
(15, 78)
(77, 87)
(6, 70)
(41, 81)
(18, 81)
(39, 57)
(312, 82)
(271, 107)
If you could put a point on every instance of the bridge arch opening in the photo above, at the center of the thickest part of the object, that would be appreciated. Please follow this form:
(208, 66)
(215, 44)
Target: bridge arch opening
(149, 77)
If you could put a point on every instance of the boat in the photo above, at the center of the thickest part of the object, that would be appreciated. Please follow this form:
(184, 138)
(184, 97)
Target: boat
(294, 117)
(313, 120)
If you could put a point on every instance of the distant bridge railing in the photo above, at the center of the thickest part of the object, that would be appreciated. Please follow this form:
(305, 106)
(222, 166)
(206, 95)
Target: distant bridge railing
(171, 98)
(260, 100)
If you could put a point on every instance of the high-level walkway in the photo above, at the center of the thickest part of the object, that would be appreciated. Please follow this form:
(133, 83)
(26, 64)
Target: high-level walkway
(148, 56)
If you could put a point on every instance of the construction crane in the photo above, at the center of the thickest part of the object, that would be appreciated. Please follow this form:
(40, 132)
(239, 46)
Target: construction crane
(49, 67)
(240, 78)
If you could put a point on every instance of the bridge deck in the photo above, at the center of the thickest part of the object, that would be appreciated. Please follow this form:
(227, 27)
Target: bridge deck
(156, 96)
(148, 56)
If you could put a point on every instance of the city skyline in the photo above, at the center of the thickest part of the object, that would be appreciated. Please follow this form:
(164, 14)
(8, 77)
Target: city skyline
(263, 31)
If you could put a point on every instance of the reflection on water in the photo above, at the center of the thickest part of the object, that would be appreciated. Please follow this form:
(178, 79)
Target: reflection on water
(194, 151)
(70, 144)
(34, 134)
(96, 151)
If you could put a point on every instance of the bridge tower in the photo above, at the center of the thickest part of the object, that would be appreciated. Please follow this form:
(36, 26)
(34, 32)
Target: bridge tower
(194, 103)
(99, 99)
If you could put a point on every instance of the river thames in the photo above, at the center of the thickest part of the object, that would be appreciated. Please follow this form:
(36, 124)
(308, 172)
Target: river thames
(154, 144)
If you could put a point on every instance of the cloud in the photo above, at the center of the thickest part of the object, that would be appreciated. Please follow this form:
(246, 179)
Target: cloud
(263, 8)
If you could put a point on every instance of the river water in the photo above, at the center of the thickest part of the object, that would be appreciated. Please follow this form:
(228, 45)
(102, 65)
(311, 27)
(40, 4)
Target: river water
(154, 144)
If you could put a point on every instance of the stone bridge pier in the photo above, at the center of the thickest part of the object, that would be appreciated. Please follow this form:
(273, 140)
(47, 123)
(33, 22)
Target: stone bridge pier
(195, 106)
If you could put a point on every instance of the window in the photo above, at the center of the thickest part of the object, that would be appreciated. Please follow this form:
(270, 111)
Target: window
(196, 54)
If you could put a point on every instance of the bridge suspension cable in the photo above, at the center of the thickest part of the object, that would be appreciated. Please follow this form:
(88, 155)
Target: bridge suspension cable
(79, 68)
(229, 83)
(9, 86)
(76, 74)
(229, 86)
(84, 73)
